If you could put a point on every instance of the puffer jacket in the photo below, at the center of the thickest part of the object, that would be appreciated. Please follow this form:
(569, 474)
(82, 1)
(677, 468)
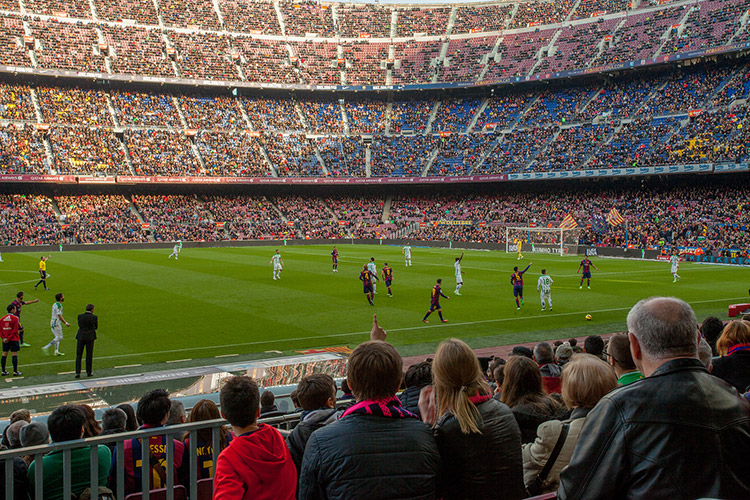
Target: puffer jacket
(311, 422)
(370, 456)
(410, 399)
(679, 434)
(486, 465)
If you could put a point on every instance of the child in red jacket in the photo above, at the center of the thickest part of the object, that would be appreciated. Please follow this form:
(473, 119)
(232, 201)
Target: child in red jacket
(257, 463)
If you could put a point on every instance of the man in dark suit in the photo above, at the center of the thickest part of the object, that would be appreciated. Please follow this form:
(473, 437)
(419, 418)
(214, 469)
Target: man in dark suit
(87, 325)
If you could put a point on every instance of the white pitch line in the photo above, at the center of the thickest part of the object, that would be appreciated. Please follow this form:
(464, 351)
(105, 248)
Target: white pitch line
(127, 366)
(179, 360)
(350, 334)
(67, 373)
(18, 282)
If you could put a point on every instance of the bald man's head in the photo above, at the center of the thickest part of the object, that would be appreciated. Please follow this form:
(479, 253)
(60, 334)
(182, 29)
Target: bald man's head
(665, 327)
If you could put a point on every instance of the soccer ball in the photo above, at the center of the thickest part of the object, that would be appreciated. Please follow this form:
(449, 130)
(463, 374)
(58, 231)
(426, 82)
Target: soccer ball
(588, 317)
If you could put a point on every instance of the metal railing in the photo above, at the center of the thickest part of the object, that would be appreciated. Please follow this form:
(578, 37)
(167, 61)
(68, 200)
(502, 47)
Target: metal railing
(170, 432)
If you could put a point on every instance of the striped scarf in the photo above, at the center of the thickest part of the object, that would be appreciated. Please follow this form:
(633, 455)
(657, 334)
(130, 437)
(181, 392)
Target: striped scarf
(390, 407)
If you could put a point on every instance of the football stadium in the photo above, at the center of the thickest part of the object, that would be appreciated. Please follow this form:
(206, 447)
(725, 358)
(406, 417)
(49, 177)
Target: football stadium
(374, 250)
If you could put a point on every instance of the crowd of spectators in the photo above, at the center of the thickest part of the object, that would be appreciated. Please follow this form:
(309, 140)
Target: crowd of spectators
(28, 220)
(87, 150)
(366, 19)
(21, 150)
(465, 59)
(98, 219)
(248, 217)
(541, 12)
(11, 37)
(231, 155)
(74, 106)
(118, 10)
(366, 117)
(364, 62)
(272, 115)
(473, 18)
(257, 16)
(161, 152)
(343, 156)
(66, 45)
(293, 155)
(308, 16)
(144, 110)
(454, 114)
(204, 55)
(401, 156)
(137, 51)
(172, 218)
(62, 8)
(428, 21)
(212, 113)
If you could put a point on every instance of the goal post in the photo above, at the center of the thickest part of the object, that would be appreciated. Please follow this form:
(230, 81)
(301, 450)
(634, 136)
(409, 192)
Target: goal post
(551, 240)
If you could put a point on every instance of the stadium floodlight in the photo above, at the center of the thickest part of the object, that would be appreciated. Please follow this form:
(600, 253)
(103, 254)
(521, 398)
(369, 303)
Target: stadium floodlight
(551, 240)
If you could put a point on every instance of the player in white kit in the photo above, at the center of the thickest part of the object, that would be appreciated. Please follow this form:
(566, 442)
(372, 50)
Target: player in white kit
(407, 254)
(373, 274)
(277, 265)
(675, 260)
(544, 287)
(459, 274)
(176, 250)
(56, 323)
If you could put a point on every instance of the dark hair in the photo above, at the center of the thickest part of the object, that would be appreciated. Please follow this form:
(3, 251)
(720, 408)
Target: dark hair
(544, 271)
(90, 307)
(91, 428)
(11, 307)
(522, 350)
(418, 375)
(132, 421)
(522, 383)
(345, 387)
(374, 371)
(58, 296)
(205, 409)
(65, 423)
(573, 341)
(315, 390)
(239, 399)
(19, 295)
(493, 365)
(267, 398)
(619, 348)
(593, 345)
(153, 407)
(439, 280)
(711, 329)
(114, 418)
(295, 399)
(515, 268)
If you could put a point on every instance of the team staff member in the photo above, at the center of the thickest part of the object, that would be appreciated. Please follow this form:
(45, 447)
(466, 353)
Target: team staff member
(43, 272)
(19, 302)
(9, 334)
(88, 323)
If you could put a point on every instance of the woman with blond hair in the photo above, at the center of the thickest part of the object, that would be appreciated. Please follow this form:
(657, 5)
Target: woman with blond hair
(585, 380)
(478, 438)
(733, 346)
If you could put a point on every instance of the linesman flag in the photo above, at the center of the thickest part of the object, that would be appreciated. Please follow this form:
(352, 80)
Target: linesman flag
(614, 217)
(568, 222)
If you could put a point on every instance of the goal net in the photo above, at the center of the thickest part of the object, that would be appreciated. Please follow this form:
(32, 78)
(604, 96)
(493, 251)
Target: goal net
(552, 240)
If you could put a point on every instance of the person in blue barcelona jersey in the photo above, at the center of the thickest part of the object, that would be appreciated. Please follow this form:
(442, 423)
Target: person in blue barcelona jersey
(436, 293)
(516, 279)
(366, 278)
(388, 277)
(586, 265)
(335, 260)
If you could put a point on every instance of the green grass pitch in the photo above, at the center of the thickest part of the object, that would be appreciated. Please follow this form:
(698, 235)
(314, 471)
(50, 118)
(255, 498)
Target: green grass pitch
(222, 301)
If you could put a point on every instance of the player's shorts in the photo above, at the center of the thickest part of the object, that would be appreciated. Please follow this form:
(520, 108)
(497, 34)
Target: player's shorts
(387, 282)
(11, 346)
(373, 280)
(434, 306)
(277, 267)
(674, 269)
(459, 280)
(545, 295)
(368, 288)
(335, 260)
(57, 331)
(586, 275)
(43, 274)
(517, 291)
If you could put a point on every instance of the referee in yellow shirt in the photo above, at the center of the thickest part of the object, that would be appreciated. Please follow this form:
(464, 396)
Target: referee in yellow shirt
(43, 272)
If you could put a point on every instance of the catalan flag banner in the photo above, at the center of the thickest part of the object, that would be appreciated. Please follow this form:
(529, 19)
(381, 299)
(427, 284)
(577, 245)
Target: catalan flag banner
(568, 222)
(614, 217)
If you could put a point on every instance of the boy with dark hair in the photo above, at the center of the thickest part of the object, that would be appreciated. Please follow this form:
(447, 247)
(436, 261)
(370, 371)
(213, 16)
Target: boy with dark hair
(256, 464)
(66, 424)
(153, 411)
(594, 344)
(317, 395)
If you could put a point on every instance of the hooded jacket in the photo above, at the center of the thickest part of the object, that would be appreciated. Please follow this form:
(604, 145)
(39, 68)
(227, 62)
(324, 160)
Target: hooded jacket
(311, 421)
(256, 466)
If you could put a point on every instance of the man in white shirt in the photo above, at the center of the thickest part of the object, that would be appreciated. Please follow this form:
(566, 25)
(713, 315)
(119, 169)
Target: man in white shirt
(675, 260)
(407, 254)
(277, 265)
(459, 274)
(544, 287)
(176, 250)
(55, 325)
(373, 274)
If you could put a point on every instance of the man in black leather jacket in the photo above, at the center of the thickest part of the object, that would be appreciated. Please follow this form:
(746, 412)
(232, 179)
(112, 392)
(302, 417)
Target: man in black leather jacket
(679, 433)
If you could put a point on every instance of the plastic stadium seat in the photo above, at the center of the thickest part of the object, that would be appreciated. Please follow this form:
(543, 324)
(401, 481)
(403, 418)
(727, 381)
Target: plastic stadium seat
(180, 493)
(206, 489)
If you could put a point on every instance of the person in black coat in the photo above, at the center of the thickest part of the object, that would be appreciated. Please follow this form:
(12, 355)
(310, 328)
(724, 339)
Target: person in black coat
(87, 325)
(377, 449)
(734, 347)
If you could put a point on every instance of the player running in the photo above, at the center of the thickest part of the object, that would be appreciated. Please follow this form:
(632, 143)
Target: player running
(459, 274)
(43, 272)
(19, 303)
(675, 260)
(373, 274)
(278, 264)
(407, 254)
(366, 278)
(516, 279)
(544, 287)
(335, 260)
(586, 264)
(56, 326)
(176, 250)
(388, 277)
(436, 293)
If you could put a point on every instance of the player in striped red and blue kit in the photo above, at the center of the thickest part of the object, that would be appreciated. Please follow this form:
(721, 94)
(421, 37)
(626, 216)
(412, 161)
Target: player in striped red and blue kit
(335, 260)
(436, 293)
(388, 277)
(516, 279)
(367, 278)
(586, 265)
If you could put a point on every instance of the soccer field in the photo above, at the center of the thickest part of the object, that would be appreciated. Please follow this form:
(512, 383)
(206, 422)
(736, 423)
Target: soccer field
(223, 301)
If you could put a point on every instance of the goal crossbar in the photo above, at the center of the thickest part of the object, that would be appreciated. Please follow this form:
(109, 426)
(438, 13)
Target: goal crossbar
(525, 235)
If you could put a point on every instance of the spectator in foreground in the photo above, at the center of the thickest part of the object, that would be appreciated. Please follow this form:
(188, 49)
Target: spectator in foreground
(585, 380)
(711, 328)
(317, 395)
(676, 413)
(153, 411)
(256, 464)
(132, 420)
(619, 357)
(377, 448)
(66, 423)
(734, 347)
(594, 344)
(416, 377)
(91, 428)
(478, 437)
(203, 410)
(523, 393)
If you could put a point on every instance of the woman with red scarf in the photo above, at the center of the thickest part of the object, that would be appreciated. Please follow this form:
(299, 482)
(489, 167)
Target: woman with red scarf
(734, 347)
